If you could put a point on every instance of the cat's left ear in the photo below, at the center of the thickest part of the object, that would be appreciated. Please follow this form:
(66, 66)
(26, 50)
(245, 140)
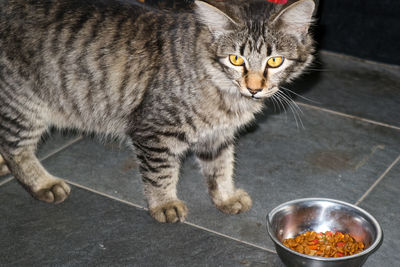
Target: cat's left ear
(297, 18)
(217, 21)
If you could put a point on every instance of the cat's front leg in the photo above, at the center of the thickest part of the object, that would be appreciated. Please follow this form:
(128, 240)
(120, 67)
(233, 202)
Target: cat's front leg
(217, 167)
(160, 170)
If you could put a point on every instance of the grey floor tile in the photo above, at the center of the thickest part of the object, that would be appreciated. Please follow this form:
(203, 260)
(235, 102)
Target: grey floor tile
(332, 157)
(91, 230)
(53, 141)
(383, 203)
(109, 168)
(350, 86)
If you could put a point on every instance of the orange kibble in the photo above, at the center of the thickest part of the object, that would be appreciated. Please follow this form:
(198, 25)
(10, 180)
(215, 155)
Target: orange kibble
(326, 244)
(300, 248)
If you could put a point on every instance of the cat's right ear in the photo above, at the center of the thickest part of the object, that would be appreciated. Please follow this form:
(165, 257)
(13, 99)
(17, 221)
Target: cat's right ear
(216, 20)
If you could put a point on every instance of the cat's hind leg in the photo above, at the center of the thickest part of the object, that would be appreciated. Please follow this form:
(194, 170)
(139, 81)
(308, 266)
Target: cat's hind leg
(20, 130)
(30, 173)
(218, 170)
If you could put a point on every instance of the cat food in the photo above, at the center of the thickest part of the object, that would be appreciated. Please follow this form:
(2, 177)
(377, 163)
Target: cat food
(326, 244)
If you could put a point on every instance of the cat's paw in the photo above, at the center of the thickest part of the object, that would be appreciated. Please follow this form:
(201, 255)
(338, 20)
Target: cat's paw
(170, 212)
(54, 192)
(3, 167)
(4, 170)
(238, 203)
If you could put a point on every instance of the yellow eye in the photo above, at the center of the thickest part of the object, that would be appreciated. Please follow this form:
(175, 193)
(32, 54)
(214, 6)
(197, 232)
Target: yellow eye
(275, 62)
(236, 60)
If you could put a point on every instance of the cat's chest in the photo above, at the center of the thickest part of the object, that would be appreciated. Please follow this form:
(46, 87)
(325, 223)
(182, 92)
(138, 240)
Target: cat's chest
(218, 131)
(220, 125)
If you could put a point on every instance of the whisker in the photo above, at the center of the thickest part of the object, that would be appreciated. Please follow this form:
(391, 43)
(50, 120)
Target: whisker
(273, 103)
(290, 99)
(291, 108)
(279, 100)
(308, 70)
(296, 110)
(303, 97)
(321, 70)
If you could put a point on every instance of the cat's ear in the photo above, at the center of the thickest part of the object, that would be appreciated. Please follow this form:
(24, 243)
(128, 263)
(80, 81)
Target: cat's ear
(296, 18)
(216, 20)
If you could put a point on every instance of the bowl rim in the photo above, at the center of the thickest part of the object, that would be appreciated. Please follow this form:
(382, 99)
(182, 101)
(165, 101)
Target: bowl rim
(375, 245)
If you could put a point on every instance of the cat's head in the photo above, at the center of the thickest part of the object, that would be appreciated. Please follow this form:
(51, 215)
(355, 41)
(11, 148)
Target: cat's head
(258, 45)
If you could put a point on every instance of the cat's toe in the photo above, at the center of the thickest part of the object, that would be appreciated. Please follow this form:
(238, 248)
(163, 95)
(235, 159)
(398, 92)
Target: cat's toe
(55, 192)
(3, 167)
(238, 203)
(170, 212)
(4, 170)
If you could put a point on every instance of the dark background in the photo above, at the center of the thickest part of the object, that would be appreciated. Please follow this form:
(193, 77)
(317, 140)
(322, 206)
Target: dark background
(368, 29)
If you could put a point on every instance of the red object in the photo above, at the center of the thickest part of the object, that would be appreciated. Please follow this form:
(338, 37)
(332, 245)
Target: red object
(278, 1)
(329, 233)
(339, 254)
(315, 241)
(340, 244)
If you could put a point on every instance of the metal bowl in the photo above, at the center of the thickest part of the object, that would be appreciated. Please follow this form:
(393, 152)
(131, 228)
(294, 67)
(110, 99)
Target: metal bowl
(321, 215)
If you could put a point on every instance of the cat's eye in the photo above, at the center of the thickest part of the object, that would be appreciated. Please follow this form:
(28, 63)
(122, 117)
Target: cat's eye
(236, 60)
(275, 62)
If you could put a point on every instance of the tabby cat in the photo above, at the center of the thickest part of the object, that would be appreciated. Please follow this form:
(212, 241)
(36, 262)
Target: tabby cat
(166, 81)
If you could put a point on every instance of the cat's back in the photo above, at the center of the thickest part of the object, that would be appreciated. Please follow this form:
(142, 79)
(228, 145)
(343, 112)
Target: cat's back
(78, 57)
(19, 16)
(55, 9)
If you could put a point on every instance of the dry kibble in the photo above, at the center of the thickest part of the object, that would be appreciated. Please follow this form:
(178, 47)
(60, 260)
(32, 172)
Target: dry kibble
(326, 244)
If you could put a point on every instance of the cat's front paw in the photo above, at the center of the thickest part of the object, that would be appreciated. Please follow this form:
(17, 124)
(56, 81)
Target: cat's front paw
(238, 203)
(54, 192)
(170, 212)
(4, 170)
(3, 167)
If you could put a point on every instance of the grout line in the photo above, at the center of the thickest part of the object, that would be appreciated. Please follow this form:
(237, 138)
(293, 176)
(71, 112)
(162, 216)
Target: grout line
(229, 237)
(348, 116)
(377, 181)
(106, 195)
(188, 223)
(367, 61)
(48, 155)
(6, 180)
(73, 141)
(368, 156)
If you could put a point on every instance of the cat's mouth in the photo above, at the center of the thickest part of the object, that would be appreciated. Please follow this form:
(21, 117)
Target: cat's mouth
(256, 97)
(259, 95)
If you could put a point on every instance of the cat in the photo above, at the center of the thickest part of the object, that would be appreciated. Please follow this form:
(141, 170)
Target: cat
(166, 81)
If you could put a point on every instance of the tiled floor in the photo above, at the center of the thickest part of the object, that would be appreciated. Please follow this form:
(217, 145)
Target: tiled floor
(348, 149)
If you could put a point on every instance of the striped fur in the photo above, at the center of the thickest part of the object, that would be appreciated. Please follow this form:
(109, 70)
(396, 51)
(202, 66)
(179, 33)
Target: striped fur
(156, 77)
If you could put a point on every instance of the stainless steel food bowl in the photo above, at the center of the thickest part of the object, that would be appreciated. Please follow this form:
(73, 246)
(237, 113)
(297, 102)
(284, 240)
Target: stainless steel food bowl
(321, 215)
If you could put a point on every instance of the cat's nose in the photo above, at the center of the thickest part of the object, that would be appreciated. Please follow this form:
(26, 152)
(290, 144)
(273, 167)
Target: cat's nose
(254, 83)
(254, 91)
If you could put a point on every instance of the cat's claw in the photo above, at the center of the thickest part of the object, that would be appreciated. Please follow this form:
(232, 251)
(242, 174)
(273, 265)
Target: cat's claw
(170, 212)
(54, 193)
(238, 203)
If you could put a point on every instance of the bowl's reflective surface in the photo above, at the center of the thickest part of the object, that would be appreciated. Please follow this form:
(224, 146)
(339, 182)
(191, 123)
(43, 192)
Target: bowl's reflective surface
(320, 215)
